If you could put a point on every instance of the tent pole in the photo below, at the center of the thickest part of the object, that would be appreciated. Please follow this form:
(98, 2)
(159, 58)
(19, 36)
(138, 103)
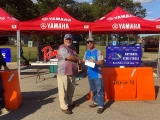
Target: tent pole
(90, 34)
(158, 62)
(128, 38)
(18, 52)
(37, 47)
(106, 39)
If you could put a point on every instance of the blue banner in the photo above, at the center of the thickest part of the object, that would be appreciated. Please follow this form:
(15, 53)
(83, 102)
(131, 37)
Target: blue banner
(123, 55)
(6, 53)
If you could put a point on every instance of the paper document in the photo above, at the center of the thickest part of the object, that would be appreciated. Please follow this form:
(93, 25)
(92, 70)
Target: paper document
(90, 64)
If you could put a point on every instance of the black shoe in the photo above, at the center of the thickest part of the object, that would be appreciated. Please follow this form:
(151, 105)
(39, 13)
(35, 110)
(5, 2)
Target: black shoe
(0, 112)
(100, 110)
(93, 105)
(73, 105)
(66, 111)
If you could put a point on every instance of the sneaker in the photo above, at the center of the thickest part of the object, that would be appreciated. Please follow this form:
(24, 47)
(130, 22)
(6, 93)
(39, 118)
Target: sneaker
(66, 111)
(73, 105)
(4, 111)
(100, 110)
(93, 105)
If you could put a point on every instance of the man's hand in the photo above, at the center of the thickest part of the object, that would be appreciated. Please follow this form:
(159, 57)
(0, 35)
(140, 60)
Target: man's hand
(6, 68)
(91, 60)
(79, 61)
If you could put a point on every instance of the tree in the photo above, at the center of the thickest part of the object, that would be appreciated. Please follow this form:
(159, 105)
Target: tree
(20, 9)
(102, 7)
(85, 13)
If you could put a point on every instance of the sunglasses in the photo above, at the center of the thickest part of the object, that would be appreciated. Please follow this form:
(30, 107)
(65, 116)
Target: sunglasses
(69, 39)
(89, 42)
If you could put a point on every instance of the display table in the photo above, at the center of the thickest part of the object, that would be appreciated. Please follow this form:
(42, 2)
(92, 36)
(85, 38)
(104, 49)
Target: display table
(41, 63)
(130, 83)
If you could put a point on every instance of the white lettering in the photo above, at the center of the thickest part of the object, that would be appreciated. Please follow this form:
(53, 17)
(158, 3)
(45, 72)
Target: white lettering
(123, 16)
(125, 58)
(57, 19)
(134, 58)
(131, 54)
(2, 18)
(158, 26)
(57, 26)
(129, 26)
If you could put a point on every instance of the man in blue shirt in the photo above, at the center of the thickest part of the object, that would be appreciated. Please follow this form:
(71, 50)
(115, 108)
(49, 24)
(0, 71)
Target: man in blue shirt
(94, 75)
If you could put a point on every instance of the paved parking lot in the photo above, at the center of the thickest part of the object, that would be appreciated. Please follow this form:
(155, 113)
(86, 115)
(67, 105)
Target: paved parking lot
(40, 102)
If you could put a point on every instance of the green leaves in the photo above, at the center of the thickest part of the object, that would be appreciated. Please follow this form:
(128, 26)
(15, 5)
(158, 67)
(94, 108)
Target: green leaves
(27, 10)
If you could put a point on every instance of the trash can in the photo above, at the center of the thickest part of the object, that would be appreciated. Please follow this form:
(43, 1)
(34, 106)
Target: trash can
(12, 94)
(53, 68)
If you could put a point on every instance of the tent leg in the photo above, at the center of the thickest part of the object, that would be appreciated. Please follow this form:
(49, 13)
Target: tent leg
(158, 62)
(18, 52)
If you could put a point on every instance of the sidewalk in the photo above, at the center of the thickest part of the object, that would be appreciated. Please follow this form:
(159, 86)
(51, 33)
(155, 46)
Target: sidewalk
(152, 56)
(40, 102)
(150, 60)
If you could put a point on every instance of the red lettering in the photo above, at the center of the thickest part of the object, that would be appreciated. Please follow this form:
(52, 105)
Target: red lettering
(55, 53)
(48, 53)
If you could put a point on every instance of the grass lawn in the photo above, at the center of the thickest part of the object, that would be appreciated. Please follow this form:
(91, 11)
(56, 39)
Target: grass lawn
(33, 52)
(152, 52)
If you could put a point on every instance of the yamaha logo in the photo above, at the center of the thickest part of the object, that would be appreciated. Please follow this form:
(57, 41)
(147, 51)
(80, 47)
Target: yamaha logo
(115, 26)
(45, 19)
(110, 18)
(86, 26)
(14, 26)
(2, 18)
(43, 26)
(158, 26)
(12, 18)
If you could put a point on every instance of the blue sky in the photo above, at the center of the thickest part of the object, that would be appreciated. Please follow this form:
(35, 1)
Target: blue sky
(152, 7)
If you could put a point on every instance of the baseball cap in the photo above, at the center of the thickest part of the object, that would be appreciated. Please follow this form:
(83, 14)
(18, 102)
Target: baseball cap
(90, 39)
(68, 36)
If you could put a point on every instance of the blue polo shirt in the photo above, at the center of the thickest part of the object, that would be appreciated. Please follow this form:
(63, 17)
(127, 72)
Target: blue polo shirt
(96, 55)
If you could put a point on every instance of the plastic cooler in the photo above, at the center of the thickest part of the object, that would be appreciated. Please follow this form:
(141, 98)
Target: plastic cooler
(12, 94)
(53, 68)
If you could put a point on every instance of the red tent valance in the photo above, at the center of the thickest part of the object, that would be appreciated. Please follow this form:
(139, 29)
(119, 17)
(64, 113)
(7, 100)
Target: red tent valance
(120, 21)
(157, 20)
(7, 22)
(55, 21)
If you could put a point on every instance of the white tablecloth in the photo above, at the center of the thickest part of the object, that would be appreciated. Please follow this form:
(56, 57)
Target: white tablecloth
(43, 63)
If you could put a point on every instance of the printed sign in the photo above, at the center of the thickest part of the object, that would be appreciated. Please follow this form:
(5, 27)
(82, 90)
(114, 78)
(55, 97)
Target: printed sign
(114, 43)
(30, 43)
(6, 53)
(123, 55)
(47, 52)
